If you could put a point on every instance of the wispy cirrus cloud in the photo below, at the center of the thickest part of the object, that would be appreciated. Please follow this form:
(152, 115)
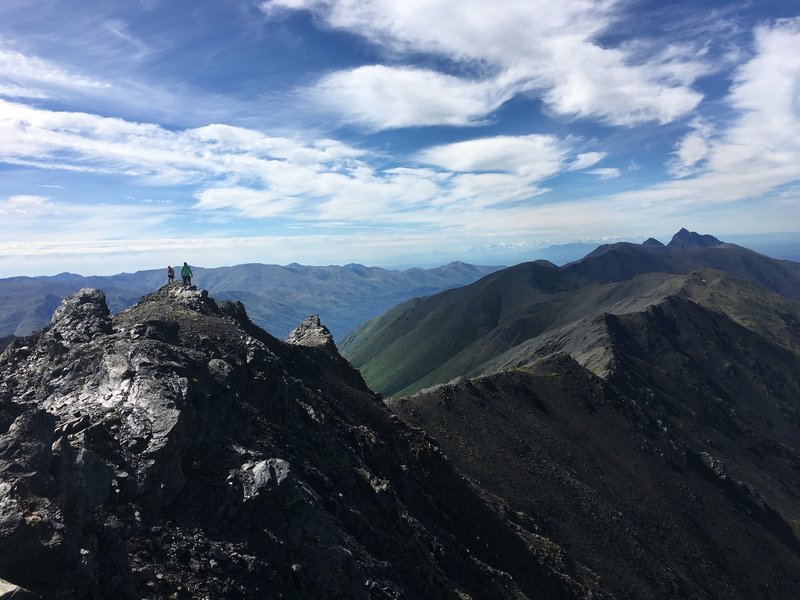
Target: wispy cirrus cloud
(753, 159)
(22, 218)
(520, 46)
(91, 143)
(18, 71)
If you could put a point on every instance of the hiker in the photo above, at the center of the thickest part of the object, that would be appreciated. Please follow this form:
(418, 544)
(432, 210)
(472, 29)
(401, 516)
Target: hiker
(186, 274)
(170, 274)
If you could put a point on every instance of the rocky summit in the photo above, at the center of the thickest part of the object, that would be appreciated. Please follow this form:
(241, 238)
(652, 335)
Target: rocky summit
(176, 450)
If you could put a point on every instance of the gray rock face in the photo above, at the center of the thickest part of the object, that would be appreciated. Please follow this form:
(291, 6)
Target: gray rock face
(178, 451)
(311, 332)
(256, 478)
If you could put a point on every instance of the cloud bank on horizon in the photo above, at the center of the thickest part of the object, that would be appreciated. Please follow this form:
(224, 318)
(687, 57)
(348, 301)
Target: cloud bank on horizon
(329, 131)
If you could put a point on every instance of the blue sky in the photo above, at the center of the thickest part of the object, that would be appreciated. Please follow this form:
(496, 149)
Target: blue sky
(138, 133)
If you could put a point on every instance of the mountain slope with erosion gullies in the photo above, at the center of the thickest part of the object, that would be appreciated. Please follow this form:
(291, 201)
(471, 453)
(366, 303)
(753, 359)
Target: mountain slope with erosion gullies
(176, 450)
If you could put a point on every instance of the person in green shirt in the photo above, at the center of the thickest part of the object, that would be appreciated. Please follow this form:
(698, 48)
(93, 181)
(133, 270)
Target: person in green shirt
(186, 274)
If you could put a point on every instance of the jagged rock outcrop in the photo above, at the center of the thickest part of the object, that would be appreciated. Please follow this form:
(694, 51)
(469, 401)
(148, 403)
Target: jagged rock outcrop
(178, 451)
(311, 332)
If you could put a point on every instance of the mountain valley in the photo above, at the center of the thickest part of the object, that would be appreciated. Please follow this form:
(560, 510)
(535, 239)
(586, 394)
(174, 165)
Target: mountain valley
(277, 297)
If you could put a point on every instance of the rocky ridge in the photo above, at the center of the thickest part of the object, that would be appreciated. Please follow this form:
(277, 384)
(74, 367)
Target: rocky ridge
(674, 477)
(176, 450)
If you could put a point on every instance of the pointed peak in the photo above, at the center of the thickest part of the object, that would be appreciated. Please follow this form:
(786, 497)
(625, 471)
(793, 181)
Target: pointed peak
(691, 239)
(654, 243)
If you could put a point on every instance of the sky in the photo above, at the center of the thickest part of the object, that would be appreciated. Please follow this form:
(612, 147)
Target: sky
(140, 133)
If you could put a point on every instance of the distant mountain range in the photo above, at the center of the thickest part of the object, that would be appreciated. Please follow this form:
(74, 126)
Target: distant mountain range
(277, 298)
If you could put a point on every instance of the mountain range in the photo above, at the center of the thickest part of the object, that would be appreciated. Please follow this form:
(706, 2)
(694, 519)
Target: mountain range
(533, 309)
(623, 426)
(643, 403)
(277, 297)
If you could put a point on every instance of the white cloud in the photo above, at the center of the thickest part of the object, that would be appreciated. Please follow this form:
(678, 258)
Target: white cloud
(691, 150)
(465, 192)
(12, 90)
(750, 159)
(586, 80)
(514, 46)
(90, 143)
(26, 205)
(389, 97)
(765, 93)
(606, 173)
(535, 156)
(254, 203)
(587, 159)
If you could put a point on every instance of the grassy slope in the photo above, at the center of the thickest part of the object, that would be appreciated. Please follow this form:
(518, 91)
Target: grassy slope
(426, 333)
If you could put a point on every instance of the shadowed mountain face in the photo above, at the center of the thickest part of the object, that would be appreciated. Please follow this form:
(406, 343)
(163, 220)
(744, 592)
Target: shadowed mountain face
(178, 451)
(277, 298)
(665, 489)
